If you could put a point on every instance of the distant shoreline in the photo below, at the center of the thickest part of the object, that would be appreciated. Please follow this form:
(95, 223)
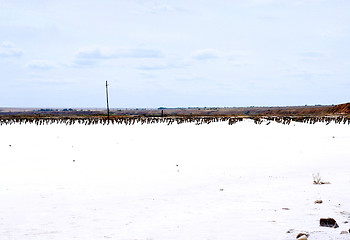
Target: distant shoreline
(162, 111)
(91, 116)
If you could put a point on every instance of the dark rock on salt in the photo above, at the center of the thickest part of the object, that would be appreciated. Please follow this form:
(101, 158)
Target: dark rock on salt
(303, 237)
(328, 222)
(303, 234)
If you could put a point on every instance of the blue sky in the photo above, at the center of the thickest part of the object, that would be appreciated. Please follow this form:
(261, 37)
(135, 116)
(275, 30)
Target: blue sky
(59, 53)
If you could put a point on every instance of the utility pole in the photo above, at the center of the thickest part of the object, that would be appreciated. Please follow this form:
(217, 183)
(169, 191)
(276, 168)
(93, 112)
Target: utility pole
(107, 100)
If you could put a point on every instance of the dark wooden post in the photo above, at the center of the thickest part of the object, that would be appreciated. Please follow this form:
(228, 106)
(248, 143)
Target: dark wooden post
(107, 99)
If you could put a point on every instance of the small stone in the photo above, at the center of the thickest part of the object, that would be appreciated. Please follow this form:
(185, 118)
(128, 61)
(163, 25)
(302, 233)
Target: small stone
(303, 237)
(303, 234)
(221, 189)
(344, 232)
(73, 160)
(328, 222)
(285, 208)
(318, 201)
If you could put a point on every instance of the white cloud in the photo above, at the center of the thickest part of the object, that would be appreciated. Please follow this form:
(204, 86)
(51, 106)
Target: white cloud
(240, 63)
(205, 54)
(45, 79)
(94, 56)
(8, 45)
(164, 66)
(312, 55)
(164, 8)
(236, 56)
(9, 50)
(152, 7)
(266, 2)
(309, 75)
(82, 63)
(40, 64)
(100, 53)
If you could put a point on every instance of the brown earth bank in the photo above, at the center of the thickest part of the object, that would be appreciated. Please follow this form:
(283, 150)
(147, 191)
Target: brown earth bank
(317, 110)
(341, 109)
(284, 115)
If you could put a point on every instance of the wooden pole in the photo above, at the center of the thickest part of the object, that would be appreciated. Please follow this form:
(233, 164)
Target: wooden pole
(107, 99)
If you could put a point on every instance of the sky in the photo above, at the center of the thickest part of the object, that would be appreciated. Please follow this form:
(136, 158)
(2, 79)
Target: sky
(176, 53)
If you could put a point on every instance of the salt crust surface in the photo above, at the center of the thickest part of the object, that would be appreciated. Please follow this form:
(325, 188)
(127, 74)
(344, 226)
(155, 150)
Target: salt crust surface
(182, 181)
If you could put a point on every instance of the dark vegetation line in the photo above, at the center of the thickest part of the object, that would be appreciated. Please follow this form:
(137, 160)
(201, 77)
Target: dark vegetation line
(285, 115)
(169, 120)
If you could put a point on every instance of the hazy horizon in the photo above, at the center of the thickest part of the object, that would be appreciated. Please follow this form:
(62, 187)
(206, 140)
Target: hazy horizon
(160, 107)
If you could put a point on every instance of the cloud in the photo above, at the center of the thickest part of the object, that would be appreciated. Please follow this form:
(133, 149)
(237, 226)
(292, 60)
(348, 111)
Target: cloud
(40, 65)
(94, 56)
(148, 75)
(192, 79)
(164, 66)
(152, 7)
(81, 63)
(164, 8)
(9, 50)
(235, 57)
(99, 53)
(239, 58)
(309, 75)
(240, 63)
(54, 80)
(312, 55)
(8, 45)
(205, 54)
(266, 2)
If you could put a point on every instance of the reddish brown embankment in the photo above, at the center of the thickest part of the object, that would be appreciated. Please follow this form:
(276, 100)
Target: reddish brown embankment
(340, 109)
(285, 115)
